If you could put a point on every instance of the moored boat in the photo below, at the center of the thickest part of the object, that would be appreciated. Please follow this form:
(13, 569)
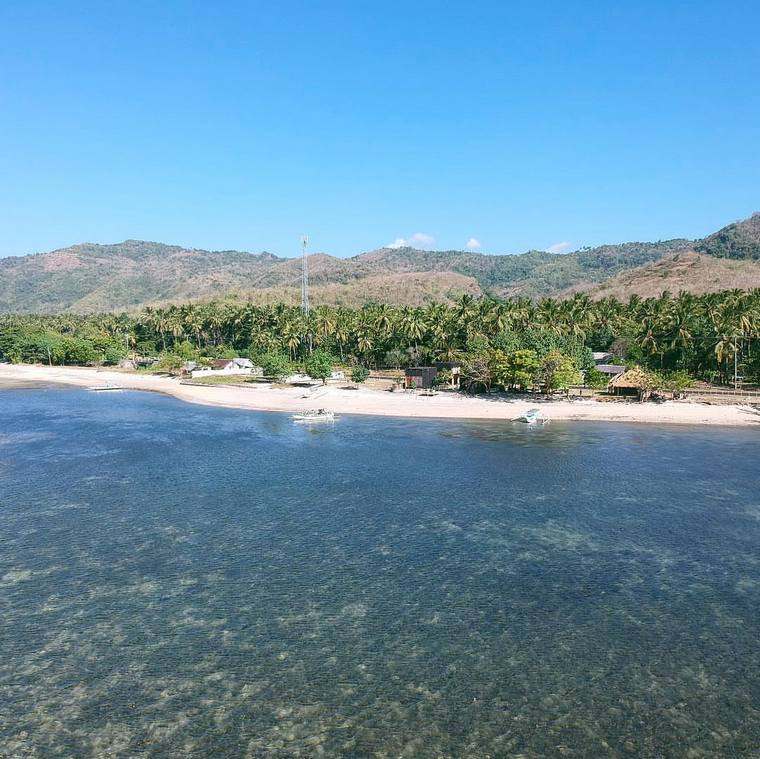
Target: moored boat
(314, 415)
(532, 416)
(105, 388)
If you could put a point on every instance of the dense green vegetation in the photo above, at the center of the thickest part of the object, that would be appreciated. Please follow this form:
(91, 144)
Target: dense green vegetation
(511, 343)
(739, 241)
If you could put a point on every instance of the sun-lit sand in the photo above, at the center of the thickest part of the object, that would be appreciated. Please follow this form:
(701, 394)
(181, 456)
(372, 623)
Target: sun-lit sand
(263, 397)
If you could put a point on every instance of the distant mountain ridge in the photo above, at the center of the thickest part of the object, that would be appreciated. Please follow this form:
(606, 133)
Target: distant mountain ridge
(89, 277)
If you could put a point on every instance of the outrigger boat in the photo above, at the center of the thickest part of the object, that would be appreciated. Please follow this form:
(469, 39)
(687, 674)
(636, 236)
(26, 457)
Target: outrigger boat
(314, 415)
(532, 416)
(105, 388)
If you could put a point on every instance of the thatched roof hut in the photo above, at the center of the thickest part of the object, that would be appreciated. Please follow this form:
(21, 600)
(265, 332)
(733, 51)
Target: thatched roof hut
(635, 381)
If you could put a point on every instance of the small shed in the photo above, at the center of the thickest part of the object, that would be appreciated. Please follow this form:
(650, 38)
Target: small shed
(420, 377)
(601, 357)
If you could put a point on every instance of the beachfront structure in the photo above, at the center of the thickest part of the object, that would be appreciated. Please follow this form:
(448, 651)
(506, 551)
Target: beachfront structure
(420, 377)
(456, 372)
(611, 370)
(232, 363)
(222, 367)
(634, 382)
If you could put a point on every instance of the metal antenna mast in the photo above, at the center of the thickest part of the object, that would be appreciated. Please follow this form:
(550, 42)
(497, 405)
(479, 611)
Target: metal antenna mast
(305, 277)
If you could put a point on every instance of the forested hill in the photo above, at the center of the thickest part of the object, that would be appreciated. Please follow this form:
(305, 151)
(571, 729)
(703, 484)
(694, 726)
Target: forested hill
(740, 240)
(125, 276)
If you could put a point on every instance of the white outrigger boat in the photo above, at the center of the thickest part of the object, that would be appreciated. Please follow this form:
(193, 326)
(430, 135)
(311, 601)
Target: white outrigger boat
(532, 416)
(314, 415)
(105, 388)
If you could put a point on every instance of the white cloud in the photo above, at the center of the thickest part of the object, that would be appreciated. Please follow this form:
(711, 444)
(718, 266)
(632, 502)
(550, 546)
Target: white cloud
(422, 239)
(418, 239)
(560, 247)
(473, 243)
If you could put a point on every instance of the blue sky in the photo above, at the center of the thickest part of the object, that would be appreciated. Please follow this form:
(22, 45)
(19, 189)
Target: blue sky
(244, 124)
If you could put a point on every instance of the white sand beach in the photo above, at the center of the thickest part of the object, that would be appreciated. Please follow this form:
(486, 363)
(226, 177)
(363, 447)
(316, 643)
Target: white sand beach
(362, 400)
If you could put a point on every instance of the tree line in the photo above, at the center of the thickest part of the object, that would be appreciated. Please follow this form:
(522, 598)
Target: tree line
(506, 343)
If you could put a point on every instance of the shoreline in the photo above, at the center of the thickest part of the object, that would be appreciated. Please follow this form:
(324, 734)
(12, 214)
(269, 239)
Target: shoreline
(264, 397)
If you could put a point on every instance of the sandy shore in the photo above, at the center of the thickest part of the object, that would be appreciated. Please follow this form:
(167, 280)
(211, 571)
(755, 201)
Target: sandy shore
(263, 397)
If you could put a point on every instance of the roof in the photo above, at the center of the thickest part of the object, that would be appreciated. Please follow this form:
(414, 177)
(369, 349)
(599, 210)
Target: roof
(636, 378)
(610, 369)
(220, 363)
(601, 356)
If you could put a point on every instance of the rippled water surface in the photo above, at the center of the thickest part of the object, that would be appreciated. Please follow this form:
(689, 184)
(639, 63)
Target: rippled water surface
(186, 581)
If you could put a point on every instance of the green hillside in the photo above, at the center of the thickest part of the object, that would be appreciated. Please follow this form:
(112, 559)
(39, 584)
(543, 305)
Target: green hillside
(89, 278)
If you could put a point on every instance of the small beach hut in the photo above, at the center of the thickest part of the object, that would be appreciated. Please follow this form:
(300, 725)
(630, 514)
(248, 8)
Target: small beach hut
(635, 382)
(420, 377)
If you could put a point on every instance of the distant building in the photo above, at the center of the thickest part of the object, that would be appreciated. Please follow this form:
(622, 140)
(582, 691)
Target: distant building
(455, 367)
(420, 377)
(232, 363)
(601, 357)
(633, 382)
(611, 370)
(221, 367)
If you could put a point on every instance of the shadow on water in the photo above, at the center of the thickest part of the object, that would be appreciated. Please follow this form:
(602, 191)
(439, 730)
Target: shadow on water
(181, 580)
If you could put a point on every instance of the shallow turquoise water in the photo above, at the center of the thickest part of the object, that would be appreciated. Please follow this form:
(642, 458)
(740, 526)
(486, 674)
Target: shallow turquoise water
(186, 581)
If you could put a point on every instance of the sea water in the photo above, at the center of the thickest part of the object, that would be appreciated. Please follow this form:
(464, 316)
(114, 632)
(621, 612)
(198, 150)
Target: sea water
(179, 580)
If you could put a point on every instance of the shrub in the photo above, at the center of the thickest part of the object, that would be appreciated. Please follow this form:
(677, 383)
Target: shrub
(443, 377)
(558, 371)
(276, 366)
(676, 381)
(169, 362)
(596, 379)
(78, 350)
(113, 354)
(319, 365)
